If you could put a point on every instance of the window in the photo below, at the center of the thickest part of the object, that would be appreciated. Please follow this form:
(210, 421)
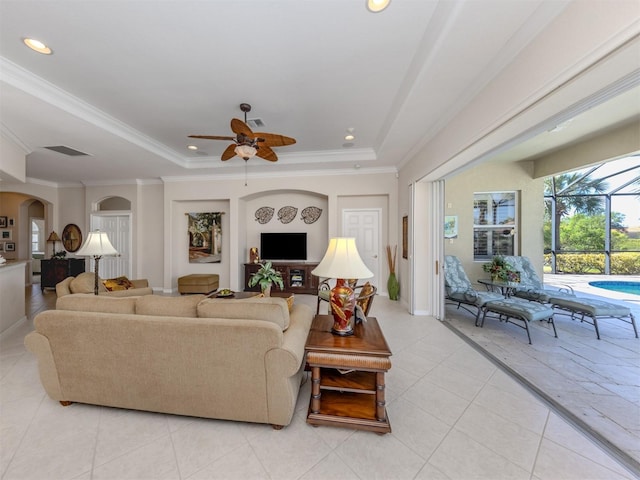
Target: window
(37, 235)
(494, 224)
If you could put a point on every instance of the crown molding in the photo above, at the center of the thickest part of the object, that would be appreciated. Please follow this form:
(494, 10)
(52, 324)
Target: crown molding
(26, 81)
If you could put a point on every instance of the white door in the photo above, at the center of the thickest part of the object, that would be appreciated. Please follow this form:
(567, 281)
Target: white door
(364, 226)
(118, 229)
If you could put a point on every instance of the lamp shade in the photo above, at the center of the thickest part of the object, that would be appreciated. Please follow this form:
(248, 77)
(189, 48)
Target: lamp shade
(53, 237)
(96, 245)
(342, 260)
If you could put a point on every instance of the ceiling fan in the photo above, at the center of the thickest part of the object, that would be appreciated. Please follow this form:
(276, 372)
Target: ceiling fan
(247, 144)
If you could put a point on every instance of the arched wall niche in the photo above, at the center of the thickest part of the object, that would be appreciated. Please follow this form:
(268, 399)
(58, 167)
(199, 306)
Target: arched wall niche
(282, 211)
(114, 203)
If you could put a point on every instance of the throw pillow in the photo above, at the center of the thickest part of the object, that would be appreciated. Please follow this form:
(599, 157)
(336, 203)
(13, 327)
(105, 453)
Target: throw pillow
(85, 283)
(119, 283)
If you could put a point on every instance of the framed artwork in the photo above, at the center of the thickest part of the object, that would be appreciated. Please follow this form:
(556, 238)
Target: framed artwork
(71, 238)
(3, 222)
(1, 246)
(5, 234)
(451, 226)
(205, 237)
(12, 222)
(405, 236)
(9, 247)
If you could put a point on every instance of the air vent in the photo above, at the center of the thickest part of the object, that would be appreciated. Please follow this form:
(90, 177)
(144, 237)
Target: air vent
(255, 122)
(67, 151)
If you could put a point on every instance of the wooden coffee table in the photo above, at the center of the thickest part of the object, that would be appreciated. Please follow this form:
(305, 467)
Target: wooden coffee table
(347, 376)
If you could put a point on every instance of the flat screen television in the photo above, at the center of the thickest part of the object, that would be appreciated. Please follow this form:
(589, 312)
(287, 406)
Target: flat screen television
(283, 246)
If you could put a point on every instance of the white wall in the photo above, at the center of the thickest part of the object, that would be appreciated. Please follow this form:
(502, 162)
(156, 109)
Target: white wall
(13, 163)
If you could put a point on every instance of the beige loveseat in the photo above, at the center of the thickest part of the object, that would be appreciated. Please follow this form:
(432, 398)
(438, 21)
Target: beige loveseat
(215, 358)
(85, 283)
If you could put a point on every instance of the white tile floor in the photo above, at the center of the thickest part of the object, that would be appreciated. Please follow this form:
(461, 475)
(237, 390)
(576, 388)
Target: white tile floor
(454, 415)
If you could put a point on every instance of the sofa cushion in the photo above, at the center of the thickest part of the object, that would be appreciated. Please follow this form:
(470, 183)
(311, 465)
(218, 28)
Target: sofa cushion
(168, 306)
(82, 302)
(85, 283)
(119, 283)
(269, 309)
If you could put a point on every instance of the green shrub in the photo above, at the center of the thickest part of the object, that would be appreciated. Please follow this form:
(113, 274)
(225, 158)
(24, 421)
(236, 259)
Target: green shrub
(627, 263)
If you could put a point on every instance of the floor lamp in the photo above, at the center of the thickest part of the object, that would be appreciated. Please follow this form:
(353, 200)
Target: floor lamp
(97, 245)
(342, 262)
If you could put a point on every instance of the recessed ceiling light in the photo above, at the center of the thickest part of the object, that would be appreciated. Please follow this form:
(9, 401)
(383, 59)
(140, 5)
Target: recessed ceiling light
(192, 147)
(376, 6)
(37, 45)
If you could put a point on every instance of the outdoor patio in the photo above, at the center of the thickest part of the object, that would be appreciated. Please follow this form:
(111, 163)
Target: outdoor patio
(594, 384)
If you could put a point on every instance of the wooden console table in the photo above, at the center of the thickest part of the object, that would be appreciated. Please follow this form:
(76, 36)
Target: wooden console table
(347, 376)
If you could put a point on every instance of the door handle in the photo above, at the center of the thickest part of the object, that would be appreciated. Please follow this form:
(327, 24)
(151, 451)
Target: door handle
(375, 256)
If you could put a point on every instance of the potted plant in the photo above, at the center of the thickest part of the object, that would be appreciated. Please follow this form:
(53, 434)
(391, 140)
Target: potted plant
(501, 270)
(266, 276)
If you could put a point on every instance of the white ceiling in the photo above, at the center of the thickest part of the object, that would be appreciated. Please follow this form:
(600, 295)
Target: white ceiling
(129, 81)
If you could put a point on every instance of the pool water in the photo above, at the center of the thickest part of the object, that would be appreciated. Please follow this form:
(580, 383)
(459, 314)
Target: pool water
(623, 287)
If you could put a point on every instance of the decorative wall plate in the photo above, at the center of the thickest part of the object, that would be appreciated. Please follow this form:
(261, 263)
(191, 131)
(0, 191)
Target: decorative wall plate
(311, 214)
(264, 214)
(71, 238)
(287, 214)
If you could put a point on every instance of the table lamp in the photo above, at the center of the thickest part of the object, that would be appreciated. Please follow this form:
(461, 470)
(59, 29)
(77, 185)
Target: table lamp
(96, 245)
(342, 262)
(53, 238)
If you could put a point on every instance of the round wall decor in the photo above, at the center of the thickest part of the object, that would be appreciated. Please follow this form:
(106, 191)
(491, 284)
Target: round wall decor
(71, 238)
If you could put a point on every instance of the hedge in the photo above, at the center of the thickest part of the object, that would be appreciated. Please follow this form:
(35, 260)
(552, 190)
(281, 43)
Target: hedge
(627, 263)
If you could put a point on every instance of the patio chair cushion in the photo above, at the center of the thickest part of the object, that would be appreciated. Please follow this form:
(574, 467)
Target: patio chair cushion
(474, 297)
(541, 295)
(455, 278)
(514, 307)
(592, 307)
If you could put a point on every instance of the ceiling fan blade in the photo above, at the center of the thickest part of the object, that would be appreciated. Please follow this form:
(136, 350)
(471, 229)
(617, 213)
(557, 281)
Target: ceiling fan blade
(241, 128)
(229, 152)
(274, 140)
(265, 152)
(212, 137)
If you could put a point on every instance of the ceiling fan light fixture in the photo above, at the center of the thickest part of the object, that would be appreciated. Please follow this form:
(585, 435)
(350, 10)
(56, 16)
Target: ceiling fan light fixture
(245, 151)
(192, 147)
(37, 46)
(376, 6)
(349, 137)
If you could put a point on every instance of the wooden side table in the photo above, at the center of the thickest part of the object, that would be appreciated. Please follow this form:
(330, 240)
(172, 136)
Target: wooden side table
(347, 376)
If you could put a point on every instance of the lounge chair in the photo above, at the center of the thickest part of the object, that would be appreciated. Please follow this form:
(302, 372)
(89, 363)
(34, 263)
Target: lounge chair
(531, 287)
(460, 291)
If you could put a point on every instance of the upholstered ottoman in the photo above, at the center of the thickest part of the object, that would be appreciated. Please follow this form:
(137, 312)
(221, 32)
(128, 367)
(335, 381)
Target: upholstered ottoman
(594, 309)
(515, 309)
(198, 283)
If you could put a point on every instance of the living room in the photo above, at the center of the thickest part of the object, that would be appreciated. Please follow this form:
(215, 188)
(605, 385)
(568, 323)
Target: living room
(573, 59)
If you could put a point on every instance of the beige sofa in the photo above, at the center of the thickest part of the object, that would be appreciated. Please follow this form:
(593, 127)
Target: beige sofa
(214, 358)
(85, 283)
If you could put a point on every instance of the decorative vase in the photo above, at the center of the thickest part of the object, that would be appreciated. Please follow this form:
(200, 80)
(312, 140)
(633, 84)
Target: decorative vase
(393, 287)
(266, 291)
(342, 301)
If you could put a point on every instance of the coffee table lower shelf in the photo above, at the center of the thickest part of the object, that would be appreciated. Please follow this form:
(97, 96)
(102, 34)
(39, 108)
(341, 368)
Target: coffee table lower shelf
(349, 409)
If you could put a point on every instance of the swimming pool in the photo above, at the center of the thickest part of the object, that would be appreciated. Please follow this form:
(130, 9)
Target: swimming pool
(623, 287)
